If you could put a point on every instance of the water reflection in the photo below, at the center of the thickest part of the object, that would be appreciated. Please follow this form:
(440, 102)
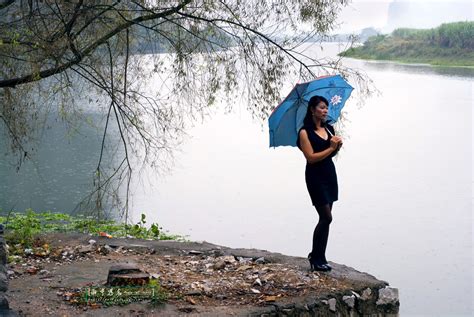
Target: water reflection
(59, 174)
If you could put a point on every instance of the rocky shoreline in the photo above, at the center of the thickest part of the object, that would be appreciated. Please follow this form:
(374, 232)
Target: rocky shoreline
(201, 279)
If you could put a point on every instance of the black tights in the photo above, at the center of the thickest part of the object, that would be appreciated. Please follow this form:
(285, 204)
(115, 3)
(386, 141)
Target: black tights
(321, 233)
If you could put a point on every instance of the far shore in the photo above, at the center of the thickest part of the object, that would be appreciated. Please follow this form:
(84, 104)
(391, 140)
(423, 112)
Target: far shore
(408, 62)
(448, 45)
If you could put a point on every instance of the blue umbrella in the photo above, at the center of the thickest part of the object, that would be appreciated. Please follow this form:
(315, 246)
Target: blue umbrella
(287, 118)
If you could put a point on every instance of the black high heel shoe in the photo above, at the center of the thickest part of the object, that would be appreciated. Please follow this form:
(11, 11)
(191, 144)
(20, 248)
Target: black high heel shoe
(327, 264)
(317, 265)
(323, 261)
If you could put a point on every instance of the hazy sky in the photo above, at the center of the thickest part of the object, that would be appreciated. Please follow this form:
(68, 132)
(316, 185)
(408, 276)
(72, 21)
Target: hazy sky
(364, 13)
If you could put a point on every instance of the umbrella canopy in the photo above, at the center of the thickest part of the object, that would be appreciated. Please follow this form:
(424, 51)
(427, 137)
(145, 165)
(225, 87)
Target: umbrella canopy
(287, 118)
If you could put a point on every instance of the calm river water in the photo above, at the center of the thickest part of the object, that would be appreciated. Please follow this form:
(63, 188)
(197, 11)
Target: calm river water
(405, 174)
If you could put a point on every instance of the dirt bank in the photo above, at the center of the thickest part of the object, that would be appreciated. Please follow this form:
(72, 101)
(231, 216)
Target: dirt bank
(199, 278)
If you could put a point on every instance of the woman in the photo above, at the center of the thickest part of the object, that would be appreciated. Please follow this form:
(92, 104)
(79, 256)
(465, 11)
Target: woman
(319, 144)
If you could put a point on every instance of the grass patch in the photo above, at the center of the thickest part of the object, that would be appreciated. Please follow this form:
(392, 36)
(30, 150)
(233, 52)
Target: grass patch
(24, 228)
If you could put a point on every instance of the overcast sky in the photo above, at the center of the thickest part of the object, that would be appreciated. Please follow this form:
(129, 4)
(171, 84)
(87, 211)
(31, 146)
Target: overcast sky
(364, 13)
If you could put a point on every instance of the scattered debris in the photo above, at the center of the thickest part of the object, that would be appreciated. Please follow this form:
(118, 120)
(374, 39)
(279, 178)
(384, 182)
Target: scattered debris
(198, 277)
(191, 279)
(105, 234)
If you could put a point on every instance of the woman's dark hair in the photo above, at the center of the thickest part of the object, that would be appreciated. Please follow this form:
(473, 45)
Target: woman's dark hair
(308, 118)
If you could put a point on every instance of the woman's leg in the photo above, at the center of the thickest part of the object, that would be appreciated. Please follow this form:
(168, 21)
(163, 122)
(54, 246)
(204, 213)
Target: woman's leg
(327, 237)
(321, 232)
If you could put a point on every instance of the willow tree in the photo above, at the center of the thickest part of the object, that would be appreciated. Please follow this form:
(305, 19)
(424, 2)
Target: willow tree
(62, 56)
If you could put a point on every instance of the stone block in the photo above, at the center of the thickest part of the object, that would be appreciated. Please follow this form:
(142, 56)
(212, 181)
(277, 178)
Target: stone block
(127, 274)
(3, 252)
(366, 294)
(3, 302)
(3, 282)
(332, 304)
(388, 296)
(349, 300)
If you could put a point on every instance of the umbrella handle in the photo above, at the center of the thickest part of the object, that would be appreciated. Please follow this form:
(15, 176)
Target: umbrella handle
(329, 131)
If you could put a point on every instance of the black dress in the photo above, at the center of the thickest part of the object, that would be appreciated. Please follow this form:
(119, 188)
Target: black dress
(321, 178)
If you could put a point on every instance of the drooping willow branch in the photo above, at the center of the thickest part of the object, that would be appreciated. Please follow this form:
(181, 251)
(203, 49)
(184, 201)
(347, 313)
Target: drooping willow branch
(79, 55)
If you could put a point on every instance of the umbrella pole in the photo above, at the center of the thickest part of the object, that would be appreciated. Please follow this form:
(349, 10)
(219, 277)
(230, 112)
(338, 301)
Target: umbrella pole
(329, 131)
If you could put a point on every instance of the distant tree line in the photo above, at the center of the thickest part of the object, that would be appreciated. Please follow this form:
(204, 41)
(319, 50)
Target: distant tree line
(448, 35)
(450, 44)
